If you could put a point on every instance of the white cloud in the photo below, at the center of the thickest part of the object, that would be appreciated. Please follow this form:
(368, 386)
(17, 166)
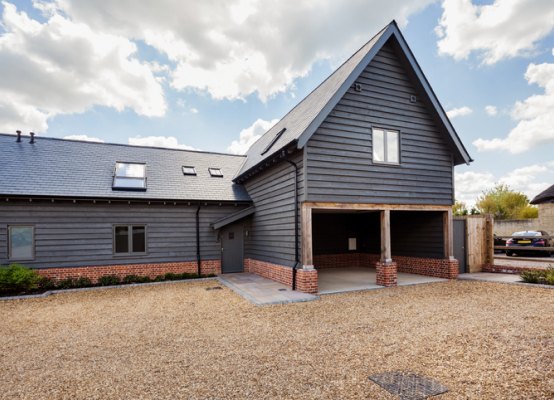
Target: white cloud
(497, 31)
(194, 110)
(491, 110)
(530, 180)
(249, 135)
(534, 115)
(61, 67)
(84, 138)
(238, 48)
(159, 141)
(459, 112)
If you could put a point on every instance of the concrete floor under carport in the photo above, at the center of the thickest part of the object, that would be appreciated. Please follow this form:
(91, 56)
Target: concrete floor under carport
(348, 279)
(346, 247)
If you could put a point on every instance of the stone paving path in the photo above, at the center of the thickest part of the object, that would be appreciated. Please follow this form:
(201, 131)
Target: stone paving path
(262, 291)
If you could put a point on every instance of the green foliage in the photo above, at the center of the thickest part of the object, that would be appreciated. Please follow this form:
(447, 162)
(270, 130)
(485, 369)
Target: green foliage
(83, 281)
(159, 278)
(529, 212)
(68, 283)
(45, 284)
(131, 279)
(545, 277)
(17, 278)
(503, 203)
(459, 208)
(109, 280)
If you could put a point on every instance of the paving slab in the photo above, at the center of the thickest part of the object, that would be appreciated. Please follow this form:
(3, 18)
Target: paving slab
(262, 291)
(491, 277)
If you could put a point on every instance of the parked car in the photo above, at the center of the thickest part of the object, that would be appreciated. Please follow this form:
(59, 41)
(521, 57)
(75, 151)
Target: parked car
(526, 239)
(499, 241)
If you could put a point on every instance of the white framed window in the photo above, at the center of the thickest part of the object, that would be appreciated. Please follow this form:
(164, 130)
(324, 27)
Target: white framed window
(129, 239)
(215, 172)
(129, 176)
(386, 146)
(21, 242)
(189, 170)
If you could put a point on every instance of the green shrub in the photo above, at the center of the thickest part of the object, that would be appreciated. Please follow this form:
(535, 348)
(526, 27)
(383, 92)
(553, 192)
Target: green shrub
(17, 278)
(159, 278)
(132, 279)
(170, 276)
(532, 276)
(549, 276)
(109, 280)
(46, 284)
(83, 281)
(144, 279)
(68, 283)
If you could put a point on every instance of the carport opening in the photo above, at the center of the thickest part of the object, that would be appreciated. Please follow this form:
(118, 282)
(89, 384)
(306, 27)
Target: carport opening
(347, 246)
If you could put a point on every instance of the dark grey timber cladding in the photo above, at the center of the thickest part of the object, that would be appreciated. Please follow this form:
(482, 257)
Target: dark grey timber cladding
(417, 234)
(68, 234)
(271, 230)
(339, 154)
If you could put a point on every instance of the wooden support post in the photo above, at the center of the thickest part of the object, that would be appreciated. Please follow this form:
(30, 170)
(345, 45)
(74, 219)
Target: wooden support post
(448, 234)
(386, 256)
(307, 253)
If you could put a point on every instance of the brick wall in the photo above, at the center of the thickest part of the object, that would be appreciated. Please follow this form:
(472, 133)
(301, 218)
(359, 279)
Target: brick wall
(437, 267)
(150, 270)
(342, 260)
(306, 280)
(509, 269)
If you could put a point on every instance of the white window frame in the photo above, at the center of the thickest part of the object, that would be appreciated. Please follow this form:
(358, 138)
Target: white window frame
(386, 132)
(10, 257)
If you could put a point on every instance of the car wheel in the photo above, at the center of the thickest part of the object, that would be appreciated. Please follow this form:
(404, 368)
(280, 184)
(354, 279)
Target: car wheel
(509, 253)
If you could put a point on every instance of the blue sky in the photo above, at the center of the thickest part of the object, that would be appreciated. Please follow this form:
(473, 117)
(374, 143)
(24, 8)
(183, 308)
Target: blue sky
(214, 77)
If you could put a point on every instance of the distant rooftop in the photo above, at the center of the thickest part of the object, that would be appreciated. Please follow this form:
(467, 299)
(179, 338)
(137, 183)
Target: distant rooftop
(544, 197)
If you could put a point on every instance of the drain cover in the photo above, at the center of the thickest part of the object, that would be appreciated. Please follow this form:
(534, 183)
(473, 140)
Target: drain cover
(408, 386)
(282, 290)
(214, 288)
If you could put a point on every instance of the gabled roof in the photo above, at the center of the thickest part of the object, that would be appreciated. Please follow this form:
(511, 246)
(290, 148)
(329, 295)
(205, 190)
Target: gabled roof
(304, 119)
(544, 197)
(75, 169)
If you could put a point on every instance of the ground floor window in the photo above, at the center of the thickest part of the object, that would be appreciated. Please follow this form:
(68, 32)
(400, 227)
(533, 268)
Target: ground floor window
(129, 239)
(21, 242)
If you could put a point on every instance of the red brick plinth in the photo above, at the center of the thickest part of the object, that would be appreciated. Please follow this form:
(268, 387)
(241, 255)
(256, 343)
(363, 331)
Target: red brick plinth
(386, 274)
(306, 280)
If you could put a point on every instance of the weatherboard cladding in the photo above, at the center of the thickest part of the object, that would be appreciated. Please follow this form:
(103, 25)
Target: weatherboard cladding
(339, 154)
(75, 169)
(68, 234)
(271, 229)
(302, 121)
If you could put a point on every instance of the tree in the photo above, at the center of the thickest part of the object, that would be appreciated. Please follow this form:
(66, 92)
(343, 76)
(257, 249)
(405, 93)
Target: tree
(459, 208)
(504, 203)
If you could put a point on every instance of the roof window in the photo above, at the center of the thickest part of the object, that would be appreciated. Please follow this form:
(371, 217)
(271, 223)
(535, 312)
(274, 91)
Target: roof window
(270, 145)
(215, 172)
(129, 176)
(189, 170)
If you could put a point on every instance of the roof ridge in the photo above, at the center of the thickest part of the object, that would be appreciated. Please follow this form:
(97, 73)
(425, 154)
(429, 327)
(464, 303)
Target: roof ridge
(127, 145)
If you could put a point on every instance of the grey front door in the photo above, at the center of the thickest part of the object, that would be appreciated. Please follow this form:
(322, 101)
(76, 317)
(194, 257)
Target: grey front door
(232, 246)
(459, 229)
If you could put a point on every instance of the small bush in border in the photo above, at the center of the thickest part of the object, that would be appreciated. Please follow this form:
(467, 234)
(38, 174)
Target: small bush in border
(545, 277)
(18, 278)
(109, 280)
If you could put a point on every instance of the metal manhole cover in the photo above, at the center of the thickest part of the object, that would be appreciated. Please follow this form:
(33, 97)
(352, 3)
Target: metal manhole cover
(408, 386)
(214, 288)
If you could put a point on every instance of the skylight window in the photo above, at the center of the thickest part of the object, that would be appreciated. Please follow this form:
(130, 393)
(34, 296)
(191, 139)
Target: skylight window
(273, 141)
(189, 171)
(129, 176)
(215, 172)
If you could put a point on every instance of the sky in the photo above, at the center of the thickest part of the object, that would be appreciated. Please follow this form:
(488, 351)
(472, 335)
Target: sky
(214, 76)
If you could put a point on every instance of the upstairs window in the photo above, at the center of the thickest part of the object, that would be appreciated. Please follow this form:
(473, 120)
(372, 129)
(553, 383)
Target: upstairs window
(386, 146)
(189, 171)
(215, 172)
(129, 176)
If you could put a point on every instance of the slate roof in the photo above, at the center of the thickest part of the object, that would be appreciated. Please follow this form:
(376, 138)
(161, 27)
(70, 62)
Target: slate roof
(544, 197)
(303, 120)
(76, 169)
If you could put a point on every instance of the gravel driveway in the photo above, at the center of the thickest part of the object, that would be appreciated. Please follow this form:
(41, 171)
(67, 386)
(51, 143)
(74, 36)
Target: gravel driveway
(481, 340)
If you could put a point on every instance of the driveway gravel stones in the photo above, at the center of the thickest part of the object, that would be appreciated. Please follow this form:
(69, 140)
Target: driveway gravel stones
(181, 341)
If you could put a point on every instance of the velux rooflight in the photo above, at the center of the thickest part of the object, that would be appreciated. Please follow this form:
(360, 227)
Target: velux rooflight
(189, 170)
(129, 176)
(215, 172)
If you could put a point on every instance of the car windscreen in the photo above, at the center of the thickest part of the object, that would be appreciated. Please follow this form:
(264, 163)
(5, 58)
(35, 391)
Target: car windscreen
(527, 233)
